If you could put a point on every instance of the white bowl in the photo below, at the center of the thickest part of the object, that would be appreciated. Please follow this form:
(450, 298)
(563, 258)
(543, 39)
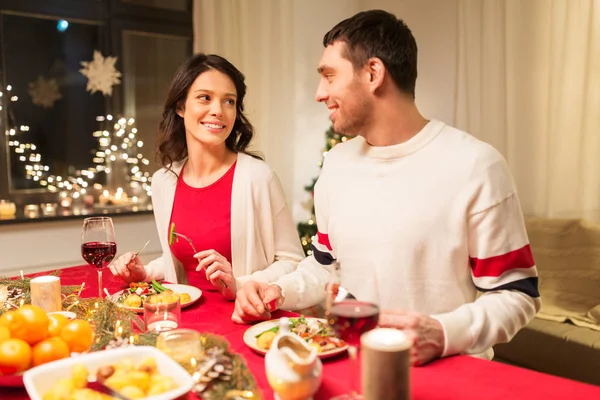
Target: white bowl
(41, 379)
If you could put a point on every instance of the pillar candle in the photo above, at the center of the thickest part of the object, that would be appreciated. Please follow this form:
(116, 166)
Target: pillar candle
(45, 293)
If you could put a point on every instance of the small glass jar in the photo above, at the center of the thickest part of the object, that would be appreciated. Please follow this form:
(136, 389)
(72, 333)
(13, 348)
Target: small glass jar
(7, 209)
(48, 209)
(182, 345)
(162, 312)
(31, 211)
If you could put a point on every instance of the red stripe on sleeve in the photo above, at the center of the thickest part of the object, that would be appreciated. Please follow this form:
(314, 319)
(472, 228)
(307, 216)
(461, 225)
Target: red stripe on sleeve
(497, 265)
(323, 239)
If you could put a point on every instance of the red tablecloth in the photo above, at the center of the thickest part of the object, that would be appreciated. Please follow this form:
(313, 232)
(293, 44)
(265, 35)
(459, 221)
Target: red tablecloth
(452, 378)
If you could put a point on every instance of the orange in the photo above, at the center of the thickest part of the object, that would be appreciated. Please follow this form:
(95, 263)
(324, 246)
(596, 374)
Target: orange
(78, 335)
(4, 333)
(15, 356)
(50, 349)
(57, 322)
(30, 324)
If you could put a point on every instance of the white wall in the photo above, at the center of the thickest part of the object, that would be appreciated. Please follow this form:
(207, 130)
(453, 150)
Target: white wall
(38, 246)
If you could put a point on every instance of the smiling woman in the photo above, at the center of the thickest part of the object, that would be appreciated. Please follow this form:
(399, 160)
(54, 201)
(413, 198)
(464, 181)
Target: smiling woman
(227, 201)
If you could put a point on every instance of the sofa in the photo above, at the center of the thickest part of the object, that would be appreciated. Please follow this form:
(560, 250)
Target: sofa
(564, 338)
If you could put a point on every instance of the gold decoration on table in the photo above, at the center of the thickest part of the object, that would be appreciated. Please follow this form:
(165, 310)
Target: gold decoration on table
(239, 384)
(16, 292)
(115, 326)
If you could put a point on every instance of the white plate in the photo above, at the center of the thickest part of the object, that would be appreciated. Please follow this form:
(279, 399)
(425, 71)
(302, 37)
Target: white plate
(250, 338)
(193, 291)
(41, 379)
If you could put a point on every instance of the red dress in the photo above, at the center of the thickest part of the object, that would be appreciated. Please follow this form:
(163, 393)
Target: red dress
(203, 215)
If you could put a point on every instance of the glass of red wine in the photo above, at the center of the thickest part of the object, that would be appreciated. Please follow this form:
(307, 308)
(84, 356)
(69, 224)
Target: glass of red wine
(350, 318)
(98, 246)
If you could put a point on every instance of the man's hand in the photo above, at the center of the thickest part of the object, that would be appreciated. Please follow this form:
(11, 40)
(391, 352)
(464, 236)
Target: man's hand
(218, 271)
(426, 333)
(129, 268)
(255, 301)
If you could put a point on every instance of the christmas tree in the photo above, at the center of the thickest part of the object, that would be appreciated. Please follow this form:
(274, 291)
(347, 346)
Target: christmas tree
(308, 229)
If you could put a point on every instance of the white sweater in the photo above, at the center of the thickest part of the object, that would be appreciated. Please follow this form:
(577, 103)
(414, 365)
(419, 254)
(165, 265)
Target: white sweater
(424, 225)
(264, 241)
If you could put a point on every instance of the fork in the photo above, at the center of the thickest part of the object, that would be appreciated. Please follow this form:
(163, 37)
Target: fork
(187, 239)
(139, 251)
(97, 386)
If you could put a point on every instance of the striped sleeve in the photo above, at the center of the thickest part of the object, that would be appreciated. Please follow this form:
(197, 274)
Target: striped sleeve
(502, 268)
(322, 250)
(499, 253)
(305, 286)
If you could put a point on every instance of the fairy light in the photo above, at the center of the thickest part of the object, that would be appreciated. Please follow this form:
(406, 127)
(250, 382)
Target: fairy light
(121, 145)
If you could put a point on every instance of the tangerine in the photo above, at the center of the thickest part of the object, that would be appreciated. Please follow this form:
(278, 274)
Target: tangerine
(4, 333)
(56, 323)
(15, 356)
(31, 324)
(49, 349)
(78, 335)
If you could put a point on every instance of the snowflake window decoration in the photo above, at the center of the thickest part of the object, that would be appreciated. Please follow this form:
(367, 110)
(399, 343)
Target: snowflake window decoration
(101, 74)
(44, 92)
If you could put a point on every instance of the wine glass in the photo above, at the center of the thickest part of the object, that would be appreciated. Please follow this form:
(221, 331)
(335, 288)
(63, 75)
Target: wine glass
(98, 246)
(350, 318)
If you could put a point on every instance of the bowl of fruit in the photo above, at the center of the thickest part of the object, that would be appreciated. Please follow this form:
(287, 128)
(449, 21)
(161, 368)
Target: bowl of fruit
(29, 338)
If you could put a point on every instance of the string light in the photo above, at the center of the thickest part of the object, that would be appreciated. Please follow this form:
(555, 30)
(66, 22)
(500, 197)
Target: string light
(121, 145)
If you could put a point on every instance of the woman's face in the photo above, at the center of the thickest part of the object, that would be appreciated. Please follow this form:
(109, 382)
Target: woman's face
(210, 109)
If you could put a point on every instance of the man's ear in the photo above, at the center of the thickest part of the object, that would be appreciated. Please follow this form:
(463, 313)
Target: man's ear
(376, 70)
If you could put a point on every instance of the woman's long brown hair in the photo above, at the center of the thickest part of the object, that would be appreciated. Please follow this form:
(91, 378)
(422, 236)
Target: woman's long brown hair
(171, 143)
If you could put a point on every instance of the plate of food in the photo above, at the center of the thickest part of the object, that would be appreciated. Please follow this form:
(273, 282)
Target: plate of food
(315, 331)
(133, 297)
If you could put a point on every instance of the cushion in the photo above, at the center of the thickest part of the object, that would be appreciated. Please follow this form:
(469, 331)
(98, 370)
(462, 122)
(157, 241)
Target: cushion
(555, 348)
(567, 256)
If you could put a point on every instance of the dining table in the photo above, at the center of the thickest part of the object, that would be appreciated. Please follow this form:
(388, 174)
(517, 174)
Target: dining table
(459, 377)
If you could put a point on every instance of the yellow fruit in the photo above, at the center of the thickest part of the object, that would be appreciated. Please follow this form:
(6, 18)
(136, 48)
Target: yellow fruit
(56, 323)
(4, 333)
(78, 335)
(15, 356)
(50, 349)
(30, 323)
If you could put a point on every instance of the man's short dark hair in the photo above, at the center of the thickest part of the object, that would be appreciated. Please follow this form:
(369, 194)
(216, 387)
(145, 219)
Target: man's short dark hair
(377, 33)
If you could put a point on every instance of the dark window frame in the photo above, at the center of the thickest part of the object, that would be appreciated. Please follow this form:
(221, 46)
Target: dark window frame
(116, 17)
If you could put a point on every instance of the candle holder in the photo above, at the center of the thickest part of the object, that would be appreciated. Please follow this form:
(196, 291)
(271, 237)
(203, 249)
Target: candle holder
(162, 312)
(48, 209)
(7, 209)
(31, 211)
(182, 345)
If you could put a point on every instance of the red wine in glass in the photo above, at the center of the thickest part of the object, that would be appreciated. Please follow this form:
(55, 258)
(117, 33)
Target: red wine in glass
(352, 318)
(98, 244)
(99, 254)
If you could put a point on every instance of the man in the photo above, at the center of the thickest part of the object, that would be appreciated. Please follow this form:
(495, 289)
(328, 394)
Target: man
(420, 216)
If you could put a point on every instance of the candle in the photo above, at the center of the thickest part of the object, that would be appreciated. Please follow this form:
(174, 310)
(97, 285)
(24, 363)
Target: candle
(31, 211)
(45, 293)
(385, 362)
(7, 209)
(48, 209)
(104, 198)
(65, 200)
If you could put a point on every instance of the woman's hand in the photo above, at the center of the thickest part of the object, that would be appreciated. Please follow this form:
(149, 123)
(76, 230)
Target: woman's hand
(218, 271)
(129, 267)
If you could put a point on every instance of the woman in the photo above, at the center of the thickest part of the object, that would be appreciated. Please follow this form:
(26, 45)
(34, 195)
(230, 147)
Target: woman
(228, 202)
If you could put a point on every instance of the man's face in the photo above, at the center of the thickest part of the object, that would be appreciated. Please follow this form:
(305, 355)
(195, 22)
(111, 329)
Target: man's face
(343, 92)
